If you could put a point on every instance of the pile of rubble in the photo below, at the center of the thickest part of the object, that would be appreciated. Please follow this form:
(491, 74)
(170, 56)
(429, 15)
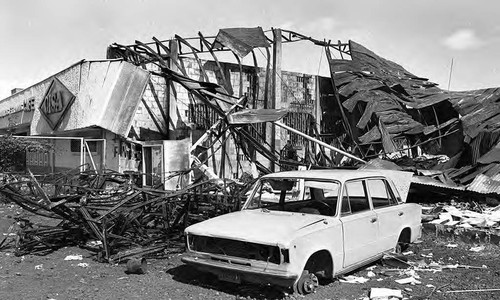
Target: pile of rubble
(109, 214)
(465, 215)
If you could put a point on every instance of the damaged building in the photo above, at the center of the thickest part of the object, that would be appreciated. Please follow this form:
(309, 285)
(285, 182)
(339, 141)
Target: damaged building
(193, 131)
(162, 107)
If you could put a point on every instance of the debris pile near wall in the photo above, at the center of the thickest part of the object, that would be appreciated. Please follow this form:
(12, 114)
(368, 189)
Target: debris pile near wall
(108, 213)
(464, 215)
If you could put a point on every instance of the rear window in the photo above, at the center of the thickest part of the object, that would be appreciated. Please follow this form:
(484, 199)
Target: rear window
(380, 193)
(355, 198)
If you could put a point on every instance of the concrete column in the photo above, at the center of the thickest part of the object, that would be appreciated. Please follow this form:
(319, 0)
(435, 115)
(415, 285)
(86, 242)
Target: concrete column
(275, 99)
(171, 93)
(276, 76)
(318, 115)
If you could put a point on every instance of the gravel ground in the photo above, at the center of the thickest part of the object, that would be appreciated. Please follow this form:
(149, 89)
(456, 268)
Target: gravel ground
(52, 277)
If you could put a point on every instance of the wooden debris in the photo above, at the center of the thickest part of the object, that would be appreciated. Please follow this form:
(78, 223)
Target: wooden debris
(128, 220)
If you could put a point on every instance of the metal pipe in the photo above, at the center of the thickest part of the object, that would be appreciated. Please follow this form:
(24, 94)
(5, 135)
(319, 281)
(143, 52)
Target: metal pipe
(277, 123)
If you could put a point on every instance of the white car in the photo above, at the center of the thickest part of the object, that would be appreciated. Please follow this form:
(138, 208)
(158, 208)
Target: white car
(298, 225)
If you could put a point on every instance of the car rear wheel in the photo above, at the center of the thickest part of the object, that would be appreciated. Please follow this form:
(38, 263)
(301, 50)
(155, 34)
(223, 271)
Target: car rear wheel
(403, 241)
(307, 283)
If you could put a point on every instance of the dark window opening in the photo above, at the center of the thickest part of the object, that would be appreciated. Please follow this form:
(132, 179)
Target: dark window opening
(75, 146)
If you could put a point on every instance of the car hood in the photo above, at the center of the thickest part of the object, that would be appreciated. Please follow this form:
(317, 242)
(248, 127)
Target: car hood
(260, 226)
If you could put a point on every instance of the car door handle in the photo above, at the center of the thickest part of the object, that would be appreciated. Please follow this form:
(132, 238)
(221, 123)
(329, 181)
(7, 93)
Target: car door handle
(401, 213)
(373, 220)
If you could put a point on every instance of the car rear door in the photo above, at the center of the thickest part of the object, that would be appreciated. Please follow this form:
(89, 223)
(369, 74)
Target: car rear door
(389, 213)
(359, 223)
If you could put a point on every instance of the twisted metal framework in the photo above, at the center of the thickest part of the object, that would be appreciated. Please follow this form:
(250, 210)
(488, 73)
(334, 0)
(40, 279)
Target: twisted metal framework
(166, 54)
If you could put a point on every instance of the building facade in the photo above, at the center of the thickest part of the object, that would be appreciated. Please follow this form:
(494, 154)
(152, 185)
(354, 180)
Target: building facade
(111, 114)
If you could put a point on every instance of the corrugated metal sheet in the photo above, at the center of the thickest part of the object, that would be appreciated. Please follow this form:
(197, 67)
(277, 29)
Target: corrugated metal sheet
(367, 79)
(423, 180)
(491, 156)
(485, 185)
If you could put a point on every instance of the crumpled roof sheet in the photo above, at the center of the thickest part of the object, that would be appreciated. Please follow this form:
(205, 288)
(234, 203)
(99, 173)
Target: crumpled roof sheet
(485, 184)
(384, 93)
(424, 180)
(241, 40)
(491, 156)
(386, 88)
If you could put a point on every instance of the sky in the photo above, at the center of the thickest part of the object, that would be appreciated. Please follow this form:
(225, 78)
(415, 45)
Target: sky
(39, 38)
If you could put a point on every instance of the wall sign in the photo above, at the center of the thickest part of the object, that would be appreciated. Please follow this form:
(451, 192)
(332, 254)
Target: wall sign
(56, 103)
(27, 106)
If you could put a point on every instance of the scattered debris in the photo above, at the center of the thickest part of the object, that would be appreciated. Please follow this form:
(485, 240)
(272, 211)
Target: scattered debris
(395, 261)
(109, 214)
(463, 214)
(136, 266)
(409, 280)
(74, 257)
(353, 279)
(477, 249)
(385, 293)
(478, 290)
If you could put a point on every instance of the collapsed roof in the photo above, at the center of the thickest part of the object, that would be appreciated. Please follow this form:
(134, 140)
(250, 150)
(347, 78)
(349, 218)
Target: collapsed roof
(387, 104)
(379, 108)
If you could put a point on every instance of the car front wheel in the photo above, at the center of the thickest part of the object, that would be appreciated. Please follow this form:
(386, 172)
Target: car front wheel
(307, 283)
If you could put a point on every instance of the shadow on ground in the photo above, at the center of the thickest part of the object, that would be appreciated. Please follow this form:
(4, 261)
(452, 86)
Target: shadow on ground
(190, 275)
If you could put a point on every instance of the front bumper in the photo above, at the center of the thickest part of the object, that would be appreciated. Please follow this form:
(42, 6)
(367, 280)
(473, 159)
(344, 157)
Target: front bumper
(246, 273)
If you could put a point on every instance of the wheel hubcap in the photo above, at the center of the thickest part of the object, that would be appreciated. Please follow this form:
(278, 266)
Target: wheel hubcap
(307, 283)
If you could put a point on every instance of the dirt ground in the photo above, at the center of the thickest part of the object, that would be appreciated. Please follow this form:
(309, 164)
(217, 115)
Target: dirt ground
(52, 277)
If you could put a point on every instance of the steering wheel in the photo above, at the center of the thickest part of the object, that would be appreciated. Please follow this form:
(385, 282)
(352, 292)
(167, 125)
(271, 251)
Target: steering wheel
(324, 205)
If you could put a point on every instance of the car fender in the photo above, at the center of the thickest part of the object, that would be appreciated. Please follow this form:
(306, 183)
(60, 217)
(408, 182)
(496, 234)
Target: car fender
(303, 247)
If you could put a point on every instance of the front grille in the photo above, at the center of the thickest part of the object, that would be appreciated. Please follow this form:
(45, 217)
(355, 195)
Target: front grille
(234, 248)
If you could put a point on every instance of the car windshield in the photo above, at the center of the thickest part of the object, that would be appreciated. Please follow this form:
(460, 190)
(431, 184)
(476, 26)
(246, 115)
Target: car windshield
(295, 195)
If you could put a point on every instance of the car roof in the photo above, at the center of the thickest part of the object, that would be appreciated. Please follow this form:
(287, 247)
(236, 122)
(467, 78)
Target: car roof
(334, 174)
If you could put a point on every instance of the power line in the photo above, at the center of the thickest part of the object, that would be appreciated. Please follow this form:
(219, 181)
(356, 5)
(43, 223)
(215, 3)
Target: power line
(451, 70)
